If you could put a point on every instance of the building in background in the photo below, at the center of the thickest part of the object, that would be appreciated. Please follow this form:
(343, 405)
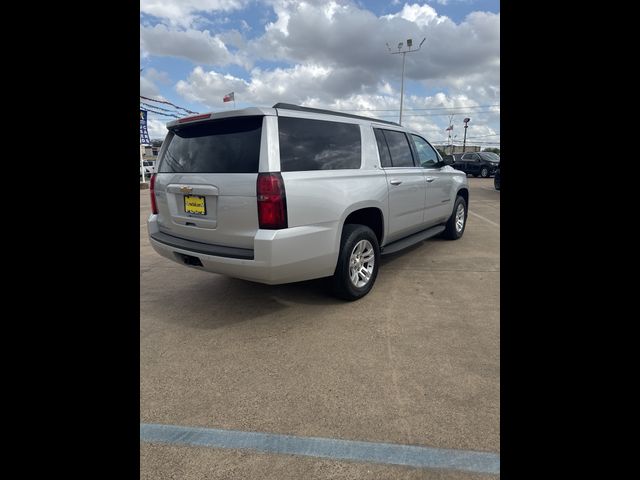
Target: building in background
(458, 148)
(149, 152)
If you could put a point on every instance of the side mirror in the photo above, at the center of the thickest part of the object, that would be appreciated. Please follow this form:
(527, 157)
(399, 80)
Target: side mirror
(448, 160)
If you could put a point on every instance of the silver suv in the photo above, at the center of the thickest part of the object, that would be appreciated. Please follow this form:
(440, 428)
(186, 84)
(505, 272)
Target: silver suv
(288, 193)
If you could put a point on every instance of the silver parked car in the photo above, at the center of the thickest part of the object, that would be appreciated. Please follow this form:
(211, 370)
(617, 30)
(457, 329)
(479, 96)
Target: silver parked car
(289, 193)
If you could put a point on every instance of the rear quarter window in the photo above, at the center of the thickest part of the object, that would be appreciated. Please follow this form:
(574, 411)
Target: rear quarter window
(230, 145)
(307, 144)
(399, 148)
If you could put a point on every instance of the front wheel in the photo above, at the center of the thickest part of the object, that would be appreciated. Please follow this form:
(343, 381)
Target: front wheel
(458, 220)
(358, 262)
(484, 173)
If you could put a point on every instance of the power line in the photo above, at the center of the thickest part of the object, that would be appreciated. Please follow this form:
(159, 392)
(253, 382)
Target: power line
(490, 135)
(446, 143)
(433, 114)
(416, 109)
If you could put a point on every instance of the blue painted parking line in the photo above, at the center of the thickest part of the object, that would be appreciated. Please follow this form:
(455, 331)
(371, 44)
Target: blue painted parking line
(387, 453)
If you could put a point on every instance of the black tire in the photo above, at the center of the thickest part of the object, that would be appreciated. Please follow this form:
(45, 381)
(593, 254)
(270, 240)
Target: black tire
(484, 173)
(342, 285)
(451, 232)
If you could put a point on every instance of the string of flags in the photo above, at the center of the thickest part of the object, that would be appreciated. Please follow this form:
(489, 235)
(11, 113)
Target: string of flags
(157, 107)
(160, 113)
(168, 103)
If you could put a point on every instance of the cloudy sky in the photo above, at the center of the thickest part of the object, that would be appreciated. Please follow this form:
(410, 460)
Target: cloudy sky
(328, 54)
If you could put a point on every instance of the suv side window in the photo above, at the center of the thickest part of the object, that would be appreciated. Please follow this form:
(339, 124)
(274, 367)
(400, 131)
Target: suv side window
(399, 148)
(467, 156)
(307, 144)
(426, 154)
(383, 149)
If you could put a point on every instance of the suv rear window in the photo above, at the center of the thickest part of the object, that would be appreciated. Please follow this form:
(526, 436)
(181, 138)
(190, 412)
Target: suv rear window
(318, 145)
(229, 145)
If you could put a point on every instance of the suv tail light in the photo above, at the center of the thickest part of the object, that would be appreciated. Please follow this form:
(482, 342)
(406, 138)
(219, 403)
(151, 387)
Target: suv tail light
(272, 201)
(152, 190)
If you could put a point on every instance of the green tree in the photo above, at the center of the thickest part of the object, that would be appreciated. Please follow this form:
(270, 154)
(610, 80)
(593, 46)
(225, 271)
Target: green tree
(494, 150)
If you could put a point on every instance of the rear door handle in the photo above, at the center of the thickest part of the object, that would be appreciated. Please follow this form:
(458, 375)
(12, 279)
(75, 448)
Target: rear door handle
(430, 179)
(395, 182)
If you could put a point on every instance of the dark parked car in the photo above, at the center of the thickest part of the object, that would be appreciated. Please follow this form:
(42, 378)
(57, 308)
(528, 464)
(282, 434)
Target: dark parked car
(483, 164)
(496, 179)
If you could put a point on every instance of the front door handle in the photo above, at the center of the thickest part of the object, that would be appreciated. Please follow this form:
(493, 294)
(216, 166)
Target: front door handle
(430, 179)
(395, 182)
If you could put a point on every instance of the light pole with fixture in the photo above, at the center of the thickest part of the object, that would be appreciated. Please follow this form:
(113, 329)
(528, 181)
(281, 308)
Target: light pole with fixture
(404, 53)
(464, 143)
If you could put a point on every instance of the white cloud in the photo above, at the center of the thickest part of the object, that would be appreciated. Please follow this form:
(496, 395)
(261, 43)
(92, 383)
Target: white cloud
(148, 88)
(156, 128)
(198, 46)
(210, 87)
(266, 87)
(352, 37)
(184, 12)
(334, 56)
(157, 76)
(421, 15)
(310, 85)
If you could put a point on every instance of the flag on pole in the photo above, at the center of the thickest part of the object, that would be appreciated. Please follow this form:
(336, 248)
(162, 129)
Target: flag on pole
(450, 127)
(228, 97)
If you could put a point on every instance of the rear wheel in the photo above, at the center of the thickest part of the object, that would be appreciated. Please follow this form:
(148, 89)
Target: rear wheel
(458, 220)
(358, 262)
(484, 173)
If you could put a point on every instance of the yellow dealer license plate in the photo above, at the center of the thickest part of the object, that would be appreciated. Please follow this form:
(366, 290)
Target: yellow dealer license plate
(195, 204)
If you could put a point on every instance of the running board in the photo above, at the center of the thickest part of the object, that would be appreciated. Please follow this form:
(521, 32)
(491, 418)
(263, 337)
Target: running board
(411, 240)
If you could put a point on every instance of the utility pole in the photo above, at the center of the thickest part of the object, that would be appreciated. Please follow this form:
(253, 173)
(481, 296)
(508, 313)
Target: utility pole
(450, 129)
(404, 54)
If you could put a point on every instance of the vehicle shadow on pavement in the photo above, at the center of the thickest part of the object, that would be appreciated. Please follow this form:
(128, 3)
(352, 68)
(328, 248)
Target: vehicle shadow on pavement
(426, 244)
(222, 301)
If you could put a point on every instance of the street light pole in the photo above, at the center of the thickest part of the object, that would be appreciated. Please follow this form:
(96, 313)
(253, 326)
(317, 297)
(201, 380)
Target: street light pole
(404, 54)
(464, 143)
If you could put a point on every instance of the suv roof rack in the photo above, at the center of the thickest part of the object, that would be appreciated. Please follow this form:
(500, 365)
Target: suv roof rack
(290, 106)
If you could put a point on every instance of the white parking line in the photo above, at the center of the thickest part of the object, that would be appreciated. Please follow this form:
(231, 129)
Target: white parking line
(485, 219)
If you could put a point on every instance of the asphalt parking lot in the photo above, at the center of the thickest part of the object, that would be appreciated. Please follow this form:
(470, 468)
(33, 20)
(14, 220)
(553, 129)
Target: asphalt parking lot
(416, 362)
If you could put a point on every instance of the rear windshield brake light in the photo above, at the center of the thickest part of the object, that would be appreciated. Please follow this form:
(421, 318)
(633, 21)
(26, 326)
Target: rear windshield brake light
(194, 118)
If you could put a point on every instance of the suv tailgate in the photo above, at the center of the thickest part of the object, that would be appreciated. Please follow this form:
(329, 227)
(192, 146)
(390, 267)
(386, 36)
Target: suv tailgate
(206, 182)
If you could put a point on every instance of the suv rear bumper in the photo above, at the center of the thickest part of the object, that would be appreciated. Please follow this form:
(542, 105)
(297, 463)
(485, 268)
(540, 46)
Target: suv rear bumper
(279, 256)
